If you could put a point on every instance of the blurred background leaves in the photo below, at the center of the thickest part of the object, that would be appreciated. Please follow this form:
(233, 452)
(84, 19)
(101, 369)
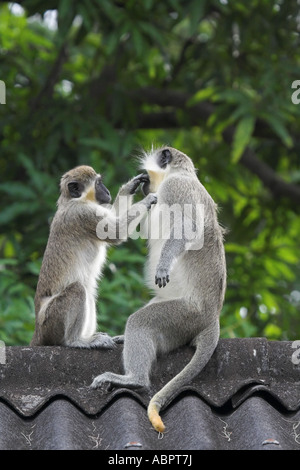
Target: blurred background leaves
(95, 81)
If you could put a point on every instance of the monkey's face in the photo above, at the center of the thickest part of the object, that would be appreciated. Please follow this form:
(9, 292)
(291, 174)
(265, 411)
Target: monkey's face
(84, 184)
(157, 166)
(94, 191)
(102, 194)
(159, 163)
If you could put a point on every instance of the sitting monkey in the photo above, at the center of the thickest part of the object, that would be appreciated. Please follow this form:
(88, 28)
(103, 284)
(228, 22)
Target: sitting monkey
(188, 279)
(74, 257)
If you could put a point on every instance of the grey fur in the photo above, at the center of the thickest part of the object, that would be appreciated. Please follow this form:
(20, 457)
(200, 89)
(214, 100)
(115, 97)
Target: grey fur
(189, 287)
(67, 285)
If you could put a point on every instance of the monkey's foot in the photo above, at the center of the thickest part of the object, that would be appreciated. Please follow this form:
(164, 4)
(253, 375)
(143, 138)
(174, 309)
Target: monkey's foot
(118, 339)
(102, 340)
(109, 380)
(98, 340)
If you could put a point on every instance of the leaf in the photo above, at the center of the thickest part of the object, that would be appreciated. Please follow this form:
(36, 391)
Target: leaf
(18, 208)
(196, 12)
(232, 96)
(242, 137)
(279, 128)
(150, 31)
(272, 331)
(279, 270)
(235, 248)
(201, 95)
(96, 143)
(288, 254)
(138, 42)
(18, 189)
(8, 261)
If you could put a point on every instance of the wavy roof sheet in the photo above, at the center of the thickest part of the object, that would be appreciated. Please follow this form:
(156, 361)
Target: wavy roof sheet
(247, 397)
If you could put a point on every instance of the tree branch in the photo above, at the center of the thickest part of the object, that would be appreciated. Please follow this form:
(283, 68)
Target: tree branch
(48, 87)
(177, 100)
(264, 172)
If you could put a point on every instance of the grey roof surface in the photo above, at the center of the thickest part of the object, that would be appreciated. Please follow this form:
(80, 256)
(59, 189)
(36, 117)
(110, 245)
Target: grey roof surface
(247, 397)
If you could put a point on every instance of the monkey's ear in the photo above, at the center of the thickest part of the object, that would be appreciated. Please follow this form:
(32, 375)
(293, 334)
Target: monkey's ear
(165, 158)
(75, 189)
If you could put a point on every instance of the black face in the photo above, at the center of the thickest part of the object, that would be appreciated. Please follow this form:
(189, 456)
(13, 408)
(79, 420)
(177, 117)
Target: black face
(101, 192)
(164, 158)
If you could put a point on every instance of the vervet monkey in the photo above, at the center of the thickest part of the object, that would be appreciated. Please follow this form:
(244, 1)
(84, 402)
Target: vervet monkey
(188, 282)
(74, 257)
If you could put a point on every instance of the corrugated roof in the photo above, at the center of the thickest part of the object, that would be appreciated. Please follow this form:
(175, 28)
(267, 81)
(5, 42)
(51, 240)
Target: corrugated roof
(247, 397)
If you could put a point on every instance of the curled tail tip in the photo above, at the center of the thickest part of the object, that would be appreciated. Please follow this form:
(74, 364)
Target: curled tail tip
(155, 419)
(157, 423)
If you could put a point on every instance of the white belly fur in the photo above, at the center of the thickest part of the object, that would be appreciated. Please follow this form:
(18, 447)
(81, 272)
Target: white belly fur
(89, 282)
(174, 289)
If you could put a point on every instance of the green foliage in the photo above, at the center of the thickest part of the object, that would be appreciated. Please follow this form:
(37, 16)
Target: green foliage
(211, 78)
(16, 304)
(122, 289)
(242, 137)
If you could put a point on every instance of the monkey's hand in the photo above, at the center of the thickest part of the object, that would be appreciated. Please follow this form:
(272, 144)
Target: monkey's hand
(162, 277)
(149, 200)
(132, 185)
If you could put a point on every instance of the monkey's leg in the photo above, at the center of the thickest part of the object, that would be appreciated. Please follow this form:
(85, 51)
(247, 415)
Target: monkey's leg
(151, 330)
(137, 345)
(64, 318)
(137, 378)
(132, 379)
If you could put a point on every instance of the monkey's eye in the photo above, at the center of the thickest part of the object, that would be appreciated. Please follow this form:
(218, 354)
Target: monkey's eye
(75, 189)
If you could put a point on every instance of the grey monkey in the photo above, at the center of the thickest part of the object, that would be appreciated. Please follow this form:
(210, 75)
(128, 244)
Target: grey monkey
(65, 299)
(188, 281)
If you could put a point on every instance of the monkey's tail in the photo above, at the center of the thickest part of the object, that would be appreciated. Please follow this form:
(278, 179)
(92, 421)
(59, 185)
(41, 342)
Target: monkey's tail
(205, 343)
(153, 415)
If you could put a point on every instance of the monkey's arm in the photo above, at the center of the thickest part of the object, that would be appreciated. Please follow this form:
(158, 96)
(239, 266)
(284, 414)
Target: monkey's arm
(175, 246)
(115, 230)
(171, 250)
(185, 220)
(127, 191)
